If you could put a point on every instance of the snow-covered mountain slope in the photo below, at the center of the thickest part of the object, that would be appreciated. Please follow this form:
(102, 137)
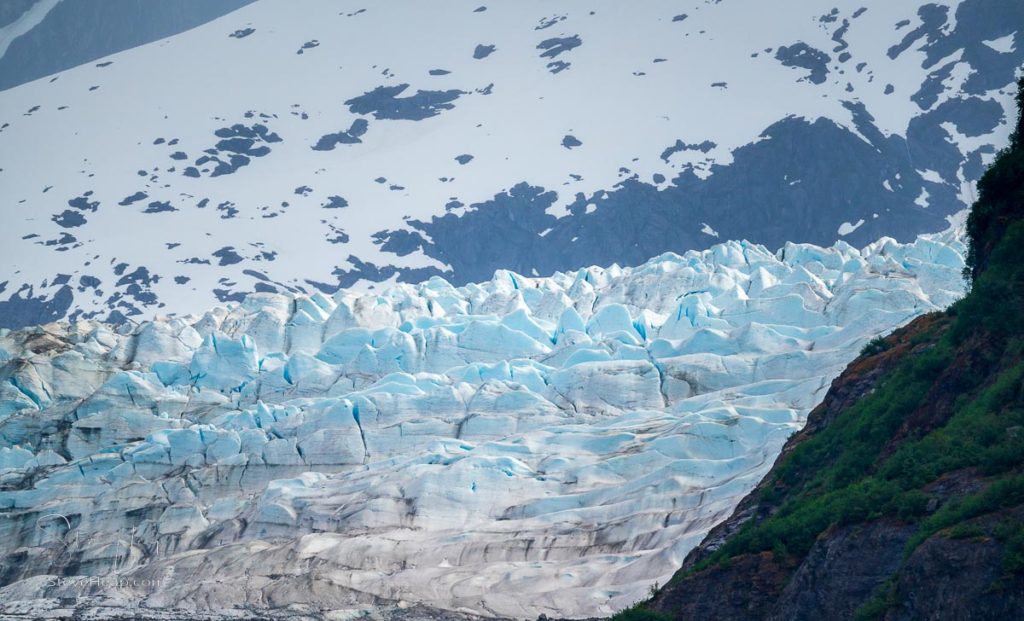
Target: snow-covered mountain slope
(522, 446)
(41, 37)
(297, 150)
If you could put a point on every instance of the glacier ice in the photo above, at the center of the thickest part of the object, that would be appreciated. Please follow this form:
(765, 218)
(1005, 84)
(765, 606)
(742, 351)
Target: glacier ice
(520, 446)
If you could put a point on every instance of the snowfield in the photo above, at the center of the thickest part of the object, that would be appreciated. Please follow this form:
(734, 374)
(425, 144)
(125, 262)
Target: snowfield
(358, 144)
(509, 448)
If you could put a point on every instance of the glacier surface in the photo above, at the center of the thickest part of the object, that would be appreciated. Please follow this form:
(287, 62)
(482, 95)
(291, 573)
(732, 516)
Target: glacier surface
(522, 446)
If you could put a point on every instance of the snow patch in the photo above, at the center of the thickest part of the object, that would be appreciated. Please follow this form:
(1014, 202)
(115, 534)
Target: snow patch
(26, 22)
(1003, 45)
(846, 228)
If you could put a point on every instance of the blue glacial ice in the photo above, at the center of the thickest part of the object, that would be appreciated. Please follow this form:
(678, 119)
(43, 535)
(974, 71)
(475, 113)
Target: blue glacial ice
(515, 447)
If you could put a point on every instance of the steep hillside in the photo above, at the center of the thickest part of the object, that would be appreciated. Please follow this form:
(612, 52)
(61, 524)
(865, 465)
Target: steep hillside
(903, 497)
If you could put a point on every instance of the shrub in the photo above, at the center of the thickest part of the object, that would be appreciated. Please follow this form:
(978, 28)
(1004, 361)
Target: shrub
(874, 347)
(640, 613)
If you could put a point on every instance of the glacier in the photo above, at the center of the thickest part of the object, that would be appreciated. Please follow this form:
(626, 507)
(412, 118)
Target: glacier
(523, 446)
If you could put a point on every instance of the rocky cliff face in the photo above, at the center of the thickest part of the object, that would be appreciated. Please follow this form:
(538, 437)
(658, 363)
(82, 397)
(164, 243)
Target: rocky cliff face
(903, 496)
